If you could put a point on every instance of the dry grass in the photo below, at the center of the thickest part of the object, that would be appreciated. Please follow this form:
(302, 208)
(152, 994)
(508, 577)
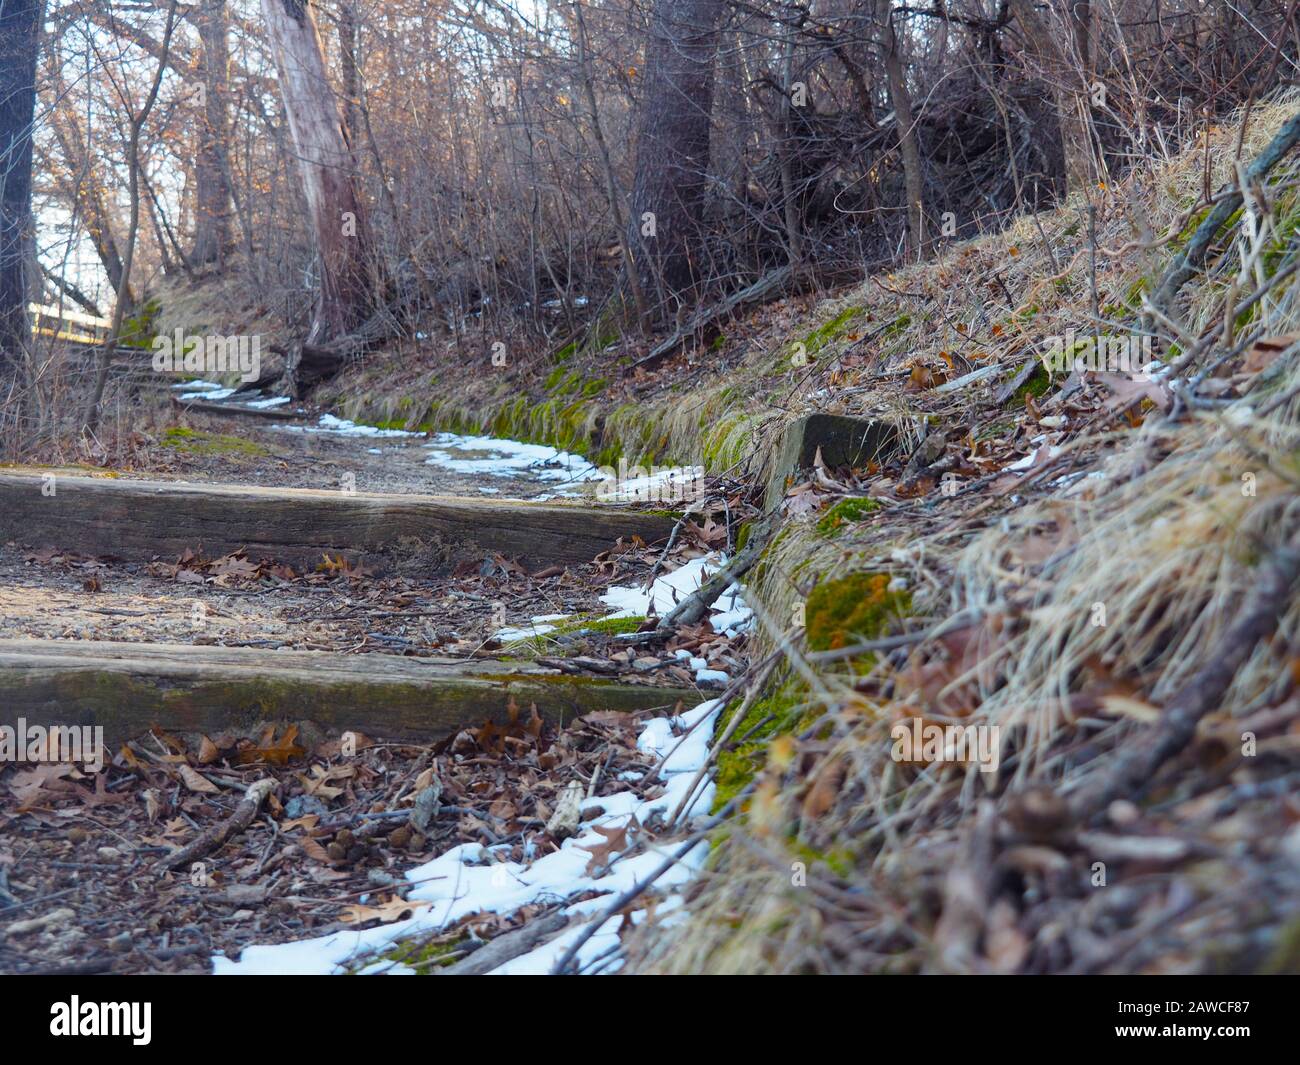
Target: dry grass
(941, 867)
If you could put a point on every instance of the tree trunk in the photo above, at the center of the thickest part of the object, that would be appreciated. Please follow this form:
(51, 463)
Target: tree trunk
(212, 196)
(325, 160)
(83, 185)
(1067, 84)
(901, 102)
(672, 147)
(20, 28)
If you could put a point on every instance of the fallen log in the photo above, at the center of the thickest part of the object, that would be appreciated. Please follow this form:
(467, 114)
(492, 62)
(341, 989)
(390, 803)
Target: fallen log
(234, 410)
(509, 946)
(765, 288)
(126, 689)
(140, 520)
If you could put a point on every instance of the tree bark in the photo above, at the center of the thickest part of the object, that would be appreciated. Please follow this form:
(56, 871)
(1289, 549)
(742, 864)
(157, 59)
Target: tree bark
(335, 210)
(901, 102)
(212, 196)
(672, 147)
(20, 28)
(1067, 83)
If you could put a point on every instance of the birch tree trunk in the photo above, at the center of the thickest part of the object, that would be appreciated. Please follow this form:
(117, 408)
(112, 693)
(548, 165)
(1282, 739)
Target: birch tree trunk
(334, 209)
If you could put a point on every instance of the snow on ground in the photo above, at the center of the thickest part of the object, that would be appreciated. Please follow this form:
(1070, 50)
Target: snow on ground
(674, 484)
(729, 615)
(467, 879)
(342, 427)
(199, 385)
(213, 394)
(268, 403)
(537, 627)
(507, 458)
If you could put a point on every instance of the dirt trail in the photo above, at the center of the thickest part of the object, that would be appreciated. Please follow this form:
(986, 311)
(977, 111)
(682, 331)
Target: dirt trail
(249, 668)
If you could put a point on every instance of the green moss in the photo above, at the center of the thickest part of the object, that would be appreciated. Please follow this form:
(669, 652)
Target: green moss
(1038, 384)
(724, 444)
(424, 957)
(783, 711)
(846, 511)
(832, 330)
(138, 330)
(198, 442)
(859, 606)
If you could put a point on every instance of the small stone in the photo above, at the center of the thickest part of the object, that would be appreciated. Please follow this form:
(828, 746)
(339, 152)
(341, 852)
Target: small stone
(336, 851)
(121, 943)
(108, 853)
(301, 805)
(77, 834)
(400, 837)
(344, 837)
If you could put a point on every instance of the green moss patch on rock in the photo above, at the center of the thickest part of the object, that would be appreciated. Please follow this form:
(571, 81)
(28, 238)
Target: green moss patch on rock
(859, 606)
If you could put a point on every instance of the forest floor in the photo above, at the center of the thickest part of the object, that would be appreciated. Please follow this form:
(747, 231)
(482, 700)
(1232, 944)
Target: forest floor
(329, 852)
(1069, 581)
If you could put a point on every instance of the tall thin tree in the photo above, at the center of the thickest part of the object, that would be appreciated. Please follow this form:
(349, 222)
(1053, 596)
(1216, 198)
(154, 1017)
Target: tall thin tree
(672, 147)
(20, 27)
(335, 210)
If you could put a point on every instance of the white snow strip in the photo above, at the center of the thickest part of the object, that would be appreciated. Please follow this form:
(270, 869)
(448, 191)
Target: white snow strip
(507, 458)
(537, 627)
(342, 427)
(729, 612)
(267, 404)
(467, 880)
(210, 393)
(672, 485)
(198, 385)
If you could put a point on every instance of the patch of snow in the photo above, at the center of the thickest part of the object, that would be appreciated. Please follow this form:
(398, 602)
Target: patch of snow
(467, 880)
(199, 385)
(729, 612)
(342, 427)
(507, 458)
(537, 627)
(210, 393)
(267, 404)
(674, 484)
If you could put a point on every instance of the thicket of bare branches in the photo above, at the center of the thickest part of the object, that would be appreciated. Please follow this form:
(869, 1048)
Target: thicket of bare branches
(496, 144)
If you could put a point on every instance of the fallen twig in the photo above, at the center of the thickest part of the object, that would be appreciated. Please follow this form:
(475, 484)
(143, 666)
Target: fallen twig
(213, 838)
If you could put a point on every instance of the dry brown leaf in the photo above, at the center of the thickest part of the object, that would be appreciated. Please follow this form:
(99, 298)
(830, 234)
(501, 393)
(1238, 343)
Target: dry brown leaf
(392, 910)
(196, 781)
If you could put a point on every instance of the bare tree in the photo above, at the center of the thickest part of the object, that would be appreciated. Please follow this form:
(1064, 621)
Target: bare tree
(335, 211)
(901, 102)
(20, 27)
(212, 193)
(137, 123)
(672, 147)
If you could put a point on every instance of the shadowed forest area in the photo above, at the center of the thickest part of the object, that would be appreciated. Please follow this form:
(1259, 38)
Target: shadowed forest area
(651, 487)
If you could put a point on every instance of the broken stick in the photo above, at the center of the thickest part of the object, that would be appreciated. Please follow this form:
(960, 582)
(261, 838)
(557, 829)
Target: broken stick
(215, 837)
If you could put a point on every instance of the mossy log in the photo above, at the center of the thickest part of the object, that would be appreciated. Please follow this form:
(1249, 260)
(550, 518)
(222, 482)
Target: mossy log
(129, 688)
(139, 520)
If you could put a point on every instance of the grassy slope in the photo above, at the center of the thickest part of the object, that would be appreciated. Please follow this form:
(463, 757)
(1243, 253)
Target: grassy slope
(1163, 537)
